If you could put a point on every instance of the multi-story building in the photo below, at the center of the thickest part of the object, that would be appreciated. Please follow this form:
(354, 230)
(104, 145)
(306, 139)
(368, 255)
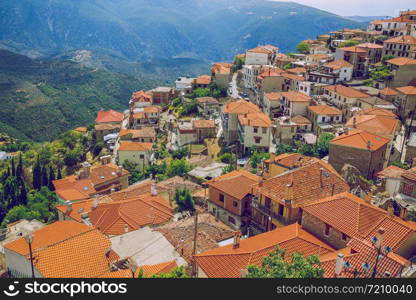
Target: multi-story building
(135, 152)
(294, 103)
(229, 198)
(261, 55)
(332, 72)
(221, 74)
(343, 97)
(254, 130)
(144, 135)
(323, 115)
(144, 117)
(109, 117)
(406, 100)
(403, 71)
(401, 46)
(163, 95)
(360, 149)
(287, 128)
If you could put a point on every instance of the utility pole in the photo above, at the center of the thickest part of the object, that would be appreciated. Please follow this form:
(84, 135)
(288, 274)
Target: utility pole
(194, 248)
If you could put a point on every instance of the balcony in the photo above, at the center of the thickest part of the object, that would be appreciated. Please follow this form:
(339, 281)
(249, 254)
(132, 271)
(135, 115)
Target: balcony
(267, 211)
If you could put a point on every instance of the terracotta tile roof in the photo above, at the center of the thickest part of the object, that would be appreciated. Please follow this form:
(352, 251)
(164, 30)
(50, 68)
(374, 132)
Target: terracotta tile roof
(370, 46)
(354, 49)
(228, 262)
(148, 270)
(296, 96)
(106, 126)
(391, 172)
(346, 91)
(112, 218)
(401, 61)
(255, 119)
(407, 90)
(378, 112)
(400, 19)
(300, 120)
(296, 70)
(359, 252)
(145, 132)
(270, 72)
(206, 100)
(275, 96)
(47, 236)
(360, 139)
(356, 218)
(81, 129)
(236, 183)
(403, 39)
(109, 116)
(199, 124)
(303, 185)
(260, 49)
(240, 107)
(141, 96)
(203, 79)
(151, 109)
(293, 77)
(338, 64)
(221, 68)
(389, 91)
(410, 174)
(134, 146)
(375, 124)
(324, 110)
(293, 160)
(319, 56)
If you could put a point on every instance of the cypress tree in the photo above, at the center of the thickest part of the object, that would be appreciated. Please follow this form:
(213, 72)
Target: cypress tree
(37, 175)
(51, 179)
(23, 194)
(45, 177)
(13, 168)
(19, 170)
(8, 172)
(59, 173)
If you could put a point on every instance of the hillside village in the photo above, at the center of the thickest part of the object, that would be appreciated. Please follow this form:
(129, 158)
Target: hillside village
(312, 152)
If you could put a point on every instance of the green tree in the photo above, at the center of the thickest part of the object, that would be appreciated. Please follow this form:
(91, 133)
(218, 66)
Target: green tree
(178, 272)
(277, 266)
(13, 168)
(386, 58)
(19, 169)
(45, 177)
(180, 153)
(283, 148)
(303, 48)
(51, 179)
(178, 167)
(348, 43)
(184, 200)
(59, 173)
(322, 146)
(37, 175)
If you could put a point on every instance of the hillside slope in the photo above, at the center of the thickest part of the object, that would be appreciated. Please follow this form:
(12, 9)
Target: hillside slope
(40, 99)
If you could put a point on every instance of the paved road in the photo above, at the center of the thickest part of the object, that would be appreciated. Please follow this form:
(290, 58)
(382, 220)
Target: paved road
(234, 87)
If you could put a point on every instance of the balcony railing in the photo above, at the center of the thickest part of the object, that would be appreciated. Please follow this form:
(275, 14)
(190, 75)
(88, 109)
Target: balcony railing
(267, 211)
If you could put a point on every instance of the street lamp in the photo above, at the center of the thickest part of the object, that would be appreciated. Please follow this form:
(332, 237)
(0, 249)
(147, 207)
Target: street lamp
(133, 267)
(29, 240)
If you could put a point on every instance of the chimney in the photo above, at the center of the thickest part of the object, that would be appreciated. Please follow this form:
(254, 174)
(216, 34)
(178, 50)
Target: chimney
(346, 130)
(153, 190)
(94, 204)
(367, 197)
(120, 170)
(113, 189)
(380, 236)
(288, 199)
(354, 122)
(236, 242)
(68, 207)
(126, 228)
(403, 213)
(105, 159)
(339, 264)
(390, 210)
(86, 170)
(261, 183)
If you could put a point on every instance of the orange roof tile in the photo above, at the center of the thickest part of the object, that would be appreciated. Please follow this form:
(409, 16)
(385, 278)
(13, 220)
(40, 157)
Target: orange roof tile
(354, 49)
(112, 218)
(391, 172)
(106, 126)
(296, 96)
(304, 184)
(221, 68)
(145, 132)
(293, 160)
(260, 49)
(324, 110)
(135, 146)
(407, 90)
(410, 174)
(148, 270)
(109, 116)
(274, 96)
(338, 64)
(401, 61)
(141, 96)
(199, 124)
(375, 124)
(389, 91)
(293, 77)
(81, 129)
(228, 262)
(370, 46)
(403, 39)
(206, 100)
(378, 112)
(300, 120)
(236, 183)
(240, 107)
(203, 79)
(346, 91)
(356, 218)
(360, 139)
(255, 119)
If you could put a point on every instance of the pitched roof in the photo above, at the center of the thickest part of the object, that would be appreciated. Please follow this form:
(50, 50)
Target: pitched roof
(236, 183)
(360, 139)
(407, 90)
(376, 124)
(391, 172)
(338, 64)
(346, 91)
(401, 61)
(300, 120)
(134, 146)
(403, 39)
(296, 96)
(356, 218)
(324, 110)
(274, 96)
(304, 184)
(141, 96)
(145, 132)
(112, 218)
(106, 126)
(198, 124)
(359, 252)
(206, 100)
(221, 68)
(109, 116)
(293, 77)
(203, 79)
(378, 112)
(240, 107)
(255, 119)
(81, 129)
(228, 262)
(389, 91)
(260, 49)
(293, 160)
(354, 49)
(148, 270)
(410, 174)
(370, 46)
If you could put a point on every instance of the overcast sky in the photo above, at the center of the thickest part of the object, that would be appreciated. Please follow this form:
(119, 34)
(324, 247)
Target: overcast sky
(360, 7)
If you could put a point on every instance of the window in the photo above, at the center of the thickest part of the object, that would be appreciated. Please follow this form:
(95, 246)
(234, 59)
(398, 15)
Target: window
(268, 202)
(327, 229)
(264, 130)
(221, 198)
(235, 203)
(257, 139)
(281, 209)
(407, 189)
(344, 237)
(255, 129)
(141, 156)
(231, 220)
